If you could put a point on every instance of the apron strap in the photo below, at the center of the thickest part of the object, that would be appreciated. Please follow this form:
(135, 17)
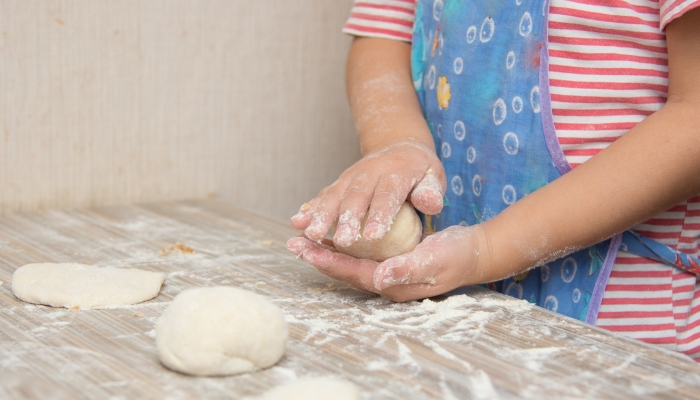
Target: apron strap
(650, 248)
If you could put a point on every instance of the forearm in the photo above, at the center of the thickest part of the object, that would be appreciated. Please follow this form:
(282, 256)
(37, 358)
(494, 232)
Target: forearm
(653, 167)
(384, 105)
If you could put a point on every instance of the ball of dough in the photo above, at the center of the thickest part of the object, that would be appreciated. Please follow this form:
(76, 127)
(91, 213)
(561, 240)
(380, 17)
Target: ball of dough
(315, 388)
(220, 331)
(84, 286)
(402, 237)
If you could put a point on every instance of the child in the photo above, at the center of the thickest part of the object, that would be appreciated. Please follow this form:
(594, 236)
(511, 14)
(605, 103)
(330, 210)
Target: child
(557, 133)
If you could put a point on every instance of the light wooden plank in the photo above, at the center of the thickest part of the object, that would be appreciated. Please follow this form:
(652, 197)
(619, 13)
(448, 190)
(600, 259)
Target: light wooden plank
(479, 345)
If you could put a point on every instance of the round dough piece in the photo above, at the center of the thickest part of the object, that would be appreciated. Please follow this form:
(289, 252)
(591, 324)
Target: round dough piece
(403, 236)
(316, 388)
(220, 331)
(84, 286)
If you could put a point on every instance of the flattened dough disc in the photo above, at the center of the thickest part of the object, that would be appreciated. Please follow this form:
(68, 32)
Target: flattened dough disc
(85, 286)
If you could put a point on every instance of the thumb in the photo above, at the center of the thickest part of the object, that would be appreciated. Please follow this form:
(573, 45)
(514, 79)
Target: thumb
(413, 267)
(428, 193)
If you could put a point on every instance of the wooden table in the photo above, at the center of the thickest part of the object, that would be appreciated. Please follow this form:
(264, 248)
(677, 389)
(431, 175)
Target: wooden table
(478, 344)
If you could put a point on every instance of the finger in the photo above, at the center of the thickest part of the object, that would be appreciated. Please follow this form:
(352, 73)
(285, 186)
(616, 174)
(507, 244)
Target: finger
(389, 195)
(428, 193)
(353, 209)
(299, 244)
(301, 220)
(355, 272)
(326, 212)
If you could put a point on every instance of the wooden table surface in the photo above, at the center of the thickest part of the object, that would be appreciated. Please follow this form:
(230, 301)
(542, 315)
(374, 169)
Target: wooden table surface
(477, 344)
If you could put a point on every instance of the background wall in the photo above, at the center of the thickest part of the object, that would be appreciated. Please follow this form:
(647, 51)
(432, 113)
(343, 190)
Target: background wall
(121, 101)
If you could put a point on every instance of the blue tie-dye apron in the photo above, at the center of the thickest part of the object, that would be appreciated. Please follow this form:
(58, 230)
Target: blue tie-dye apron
(480, 71)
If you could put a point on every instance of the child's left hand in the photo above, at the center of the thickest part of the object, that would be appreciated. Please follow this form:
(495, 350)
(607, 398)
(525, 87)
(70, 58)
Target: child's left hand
(454, 257)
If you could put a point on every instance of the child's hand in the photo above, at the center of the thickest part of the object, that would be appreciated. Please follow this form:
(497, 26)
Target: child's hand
(454, 257)
(377, 184)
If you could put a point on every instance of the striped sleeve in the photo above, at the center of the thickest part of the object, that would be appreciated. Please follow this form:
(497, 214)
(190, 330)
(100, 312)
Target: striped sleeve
(672, 9)
(391, 19)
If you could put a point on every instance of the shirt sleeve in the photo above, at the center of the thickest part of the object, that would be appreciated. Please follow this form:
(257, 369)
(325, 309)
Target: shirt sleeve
(391, 19)
(672, 9)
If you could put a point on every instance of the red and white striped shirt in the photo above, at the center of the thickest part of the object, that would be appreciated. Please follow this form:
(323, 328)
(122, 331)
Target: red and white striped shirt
(608, 70)
(392, 19)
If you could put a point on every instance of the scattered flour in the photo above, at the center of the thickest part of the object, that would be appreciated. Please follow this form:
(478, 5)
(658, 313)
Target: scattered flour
(430, 314)
(406, 358)
(511, 304)
(534, 358)
(385, 336)
(315, 326)
(377, 366)
(623, 365)
(439, 350)
(446, 391)
(326, 388)
(331, 287)
(481, 386)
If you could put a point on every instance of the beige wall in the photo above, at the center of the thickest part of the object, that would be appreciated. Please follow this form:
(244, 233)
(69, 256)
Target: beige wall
(108, 102)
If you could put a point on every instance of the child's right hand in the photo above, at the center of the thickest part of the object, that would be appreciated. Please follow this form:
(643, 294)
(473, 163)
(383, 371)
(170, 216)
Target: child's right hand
(376, 186)
(400, 160)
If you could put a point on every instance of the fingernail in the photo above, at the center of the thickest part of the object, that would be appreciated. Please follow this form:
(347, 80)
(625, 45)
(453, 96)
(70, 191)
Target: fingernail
(378, 279)
(302, 211)
(385, 276)
(297, 245)
(315, 231)
(427, 195)
(387, 280)
(343, 235)
(290, 245)
(374, 231)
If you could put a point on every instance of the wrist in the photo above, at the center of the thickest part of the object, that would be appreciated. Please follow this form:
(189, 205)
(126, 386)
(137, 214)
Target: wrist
(371, 144)
(401, 145)
(480, 246)
(484, 253)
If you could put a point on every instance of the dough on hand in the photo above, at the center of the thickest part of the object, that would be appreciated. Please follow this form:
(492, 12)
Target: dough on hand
(220, 331)
(316, 389)
(85, 286)
(404, 235)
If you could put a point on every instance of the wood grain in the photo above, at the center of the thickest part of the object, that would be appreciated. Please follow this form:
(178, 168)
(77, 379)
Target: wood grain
(475, 344)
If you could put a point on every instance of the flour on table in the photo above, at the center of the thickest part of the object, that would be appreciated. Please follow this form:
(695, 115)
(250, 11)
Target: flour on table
(330, 287)
(80, 286)
(316, 389)
(220, 331)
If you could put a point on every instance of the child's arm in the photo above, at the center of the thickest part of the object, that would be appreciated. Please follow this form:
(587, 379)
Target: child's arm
(399, 152)
(651, 168)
